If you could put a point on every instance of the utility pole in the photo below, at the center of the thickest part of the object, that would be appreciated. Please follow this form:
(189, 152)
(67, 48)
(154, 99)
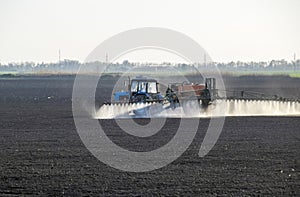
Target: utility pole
(205, 60)
(59, 56)
(294, 62)
(106, 58)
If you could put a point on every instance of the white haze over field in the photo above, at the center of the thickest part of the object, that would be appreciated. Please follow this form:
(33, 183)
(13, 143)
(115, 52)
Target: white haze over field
(218, 108)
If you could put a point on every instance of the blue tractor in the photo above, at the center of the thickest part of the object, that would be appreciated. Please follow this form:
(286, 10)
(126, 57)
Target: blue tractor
(142, 90)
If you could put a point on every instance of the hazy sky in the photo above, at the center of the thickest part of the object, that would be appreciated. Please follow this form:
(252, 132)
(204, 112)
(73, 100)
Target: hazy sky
(34, 30)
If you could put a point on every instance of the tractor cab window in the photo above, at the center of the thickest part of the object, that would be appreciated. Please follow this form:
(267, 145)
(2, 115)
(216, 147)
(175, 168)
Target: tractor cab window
(152, 87)
(142, 86)
(134, 86)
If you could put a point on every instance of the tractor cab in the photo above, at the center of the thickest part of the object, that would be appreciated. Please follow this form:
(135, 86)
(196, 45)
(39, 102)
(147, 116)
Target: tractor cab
(143, 85)
(142, 89)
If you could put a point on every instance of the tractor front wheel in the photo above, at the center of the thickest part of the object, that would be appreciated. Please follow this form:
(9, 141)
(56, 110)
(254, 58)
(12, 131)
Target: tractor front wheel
(140, 98)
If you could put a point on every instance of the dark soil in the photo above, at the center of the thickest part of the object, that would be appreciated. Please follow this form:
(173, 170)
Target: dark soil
(42, 154)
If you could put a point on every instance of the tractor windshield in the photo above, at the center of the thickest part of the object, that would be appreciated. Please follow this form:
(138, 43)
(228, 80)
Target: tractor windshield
(142, 86)
(152, 87)
(134, 86)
